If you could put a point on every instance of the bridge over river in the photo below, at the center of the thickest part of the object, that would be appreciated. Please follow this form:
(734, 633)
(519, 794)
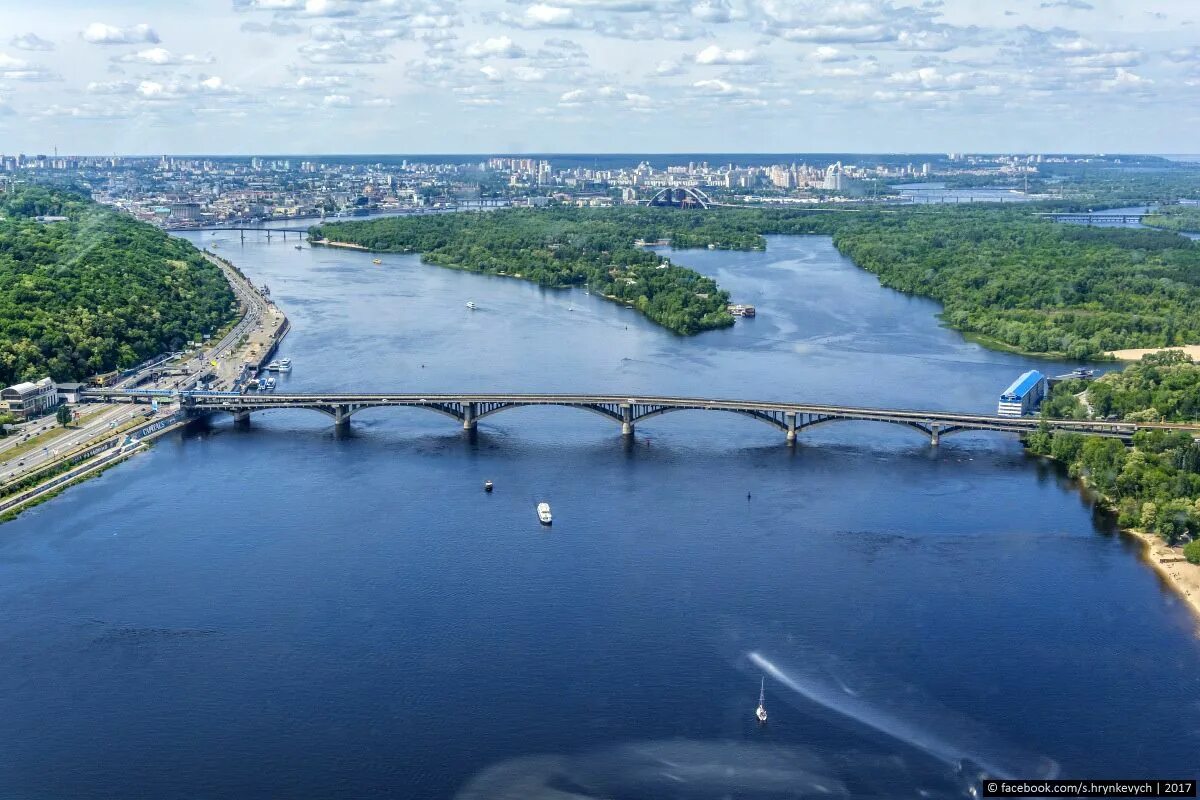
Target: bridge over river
(623, 410)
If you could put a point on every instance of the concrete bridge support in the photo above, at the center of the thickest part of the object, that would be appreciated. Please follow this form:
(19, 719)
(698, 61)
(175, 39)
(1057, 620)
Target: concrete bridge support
(790, 418)
(341, 417)
(241, 419)
(935, 434)
(469, 416)
(626, 419)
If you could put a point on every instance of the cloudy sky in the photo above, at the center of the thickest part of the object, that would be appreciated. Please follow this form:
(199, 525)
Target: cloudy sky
(437, 76)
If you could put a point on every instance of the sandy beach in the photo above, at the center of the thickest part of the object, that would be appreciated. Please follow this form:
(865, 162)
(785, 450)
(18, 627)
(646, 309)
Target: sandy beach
(349, 245)
(1183, 577)
(1135, 354)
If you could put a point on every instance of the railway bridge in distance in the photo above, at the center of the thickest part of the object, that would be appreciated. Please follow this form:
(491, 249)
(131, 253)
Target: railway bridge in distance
(628, 412)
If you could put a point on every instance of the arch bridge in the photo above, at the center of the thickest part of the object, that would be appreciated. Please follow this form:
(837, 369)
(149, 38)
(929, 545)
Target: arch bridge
(682, 196)
(628, 412)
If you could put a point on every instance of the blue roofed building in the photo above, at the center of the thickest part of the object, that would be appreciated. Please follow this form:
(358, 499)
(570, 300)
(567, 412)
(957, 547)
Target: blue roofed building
(1023, 396)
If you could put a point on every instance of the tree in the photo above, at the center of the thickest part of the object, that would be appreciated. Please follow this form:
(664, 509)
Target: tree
(63, 415)
(1191, 551)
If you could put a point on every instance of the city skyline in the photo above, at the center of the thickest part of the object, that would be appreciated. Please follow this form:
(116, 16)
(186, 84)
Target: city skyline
(604, 76)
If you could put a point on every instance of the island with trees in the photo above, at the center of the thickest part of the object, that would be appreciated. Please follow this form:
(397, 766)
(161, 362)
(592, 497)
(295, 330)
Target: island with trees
(1003, 274)
(1180, 218)
(85, 289)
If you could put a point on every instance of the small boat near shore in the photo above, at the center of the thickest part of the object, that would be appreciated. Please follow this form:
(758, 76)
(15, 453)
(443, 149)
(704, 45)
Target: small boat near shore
(285, 365)
(543, 512)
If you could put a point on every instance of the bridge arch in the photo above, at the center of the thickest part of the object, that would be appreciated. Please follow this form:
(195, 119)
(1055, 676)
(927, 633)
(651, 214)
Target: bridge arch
(609, 414)
(926, 429)
(684, 196)
(778, 424)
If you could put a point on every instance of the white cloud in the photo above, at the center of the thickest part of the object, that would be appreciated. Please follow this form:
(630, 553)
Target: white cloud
(18, 69)
(529, 74)
(713, 54)
(30, 41)
(100, 33)
(497, 47)
(544, 15)
(828, 55)
(336, 101)
(931, 79)
(716, 87)
(669, 68)
(491, 73)
(713, 11)
(161, 56)
(341, 53)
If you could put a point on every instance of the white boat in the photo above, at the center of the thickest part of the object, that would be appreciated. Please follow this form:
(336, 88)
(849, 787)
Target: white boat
(285, 365)
(273, 366)
(761, 711)
(543, 511)
(471, 305)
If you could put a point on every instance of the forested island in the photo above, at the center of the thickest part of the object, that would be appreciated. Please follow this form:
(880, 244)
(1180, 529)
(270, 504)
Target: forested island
(1155, 485)
(554, 247)
(1003, 274)
(95, 291)
(1175, 218)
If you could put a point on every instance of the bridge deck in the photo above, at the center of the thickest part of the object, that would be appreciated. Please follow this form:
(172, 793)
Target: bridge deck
(630, 409)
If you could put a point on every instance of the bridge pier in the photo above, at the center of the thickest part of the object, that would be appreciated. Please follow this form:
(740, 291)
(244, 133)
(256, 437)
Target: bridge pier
(469, 416)
(790, 418)
(341, 417)
(626, 419)
(935, 434)
(241, 419)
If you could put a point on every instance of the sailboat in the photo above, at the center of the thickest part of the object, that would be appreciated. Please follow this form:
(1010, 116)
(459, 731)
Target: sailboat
(761, 711)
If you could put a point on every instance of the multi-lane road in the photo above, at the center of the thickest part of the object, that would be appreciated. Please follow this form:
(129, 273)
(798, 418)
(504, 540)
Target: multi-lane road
(260, 323)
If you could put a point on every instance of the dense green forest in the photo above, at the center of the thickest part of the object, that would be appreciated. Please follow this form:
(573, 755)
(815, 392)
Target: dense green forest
(95, 292)
(1175, 218)
(1155, 485)
(1033, 284)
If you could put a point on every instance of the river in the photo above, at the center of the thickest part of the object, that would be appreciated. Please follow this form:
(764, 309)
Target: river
(284, 612)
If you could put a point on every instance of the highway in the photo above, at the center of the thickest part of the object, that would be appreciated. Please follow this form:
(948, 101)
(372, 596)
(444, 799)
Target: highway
(253, 324)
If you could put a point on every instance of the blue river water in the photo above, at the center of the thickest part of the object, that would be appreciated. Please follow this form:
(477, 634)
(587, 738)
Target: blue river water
(281, 611)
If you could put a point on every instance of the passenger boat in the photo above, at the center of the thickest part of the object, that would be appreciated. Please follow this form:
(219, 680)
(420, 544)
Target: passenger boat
(273, 366)
(761, 711)
(471, 305)
(543, 512)
(487, 486)
(285, 365)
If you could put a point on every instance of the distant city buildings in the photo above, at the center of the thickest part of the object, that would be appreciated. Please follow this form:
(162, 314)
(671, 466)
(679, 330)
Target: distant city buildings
(186, 192)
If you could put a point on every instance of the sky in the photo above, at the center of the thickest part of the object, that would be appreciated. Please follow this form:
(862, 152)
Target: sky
(619, 76)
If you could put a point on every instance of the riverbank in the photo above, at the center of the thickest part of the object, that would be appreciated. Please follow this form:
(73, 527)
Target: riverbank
(1136, 353)
(1169, 563)
(347, 245)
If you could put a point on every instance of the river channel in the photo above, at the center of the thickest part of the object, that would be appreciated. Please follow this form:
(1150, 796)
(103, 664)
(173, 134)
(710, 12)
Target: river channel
(281, 611)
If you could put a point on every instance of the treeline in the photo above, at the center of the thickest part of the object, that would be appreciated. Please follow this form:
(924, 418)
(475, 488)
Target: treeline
(96, 292)
(1035, 285)
(1175, 218)
(1155, 485)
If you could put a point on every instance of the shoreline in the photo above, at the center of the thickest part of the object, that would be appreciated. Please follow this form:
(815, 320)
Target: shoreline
(1136, 353)
(1174, 570)
(347, 245)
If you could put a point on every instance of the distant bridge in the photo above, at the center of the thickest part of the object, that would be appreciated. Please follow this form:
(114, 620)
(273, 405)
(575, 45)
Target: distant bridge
(468, 409)
(1100, 218)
